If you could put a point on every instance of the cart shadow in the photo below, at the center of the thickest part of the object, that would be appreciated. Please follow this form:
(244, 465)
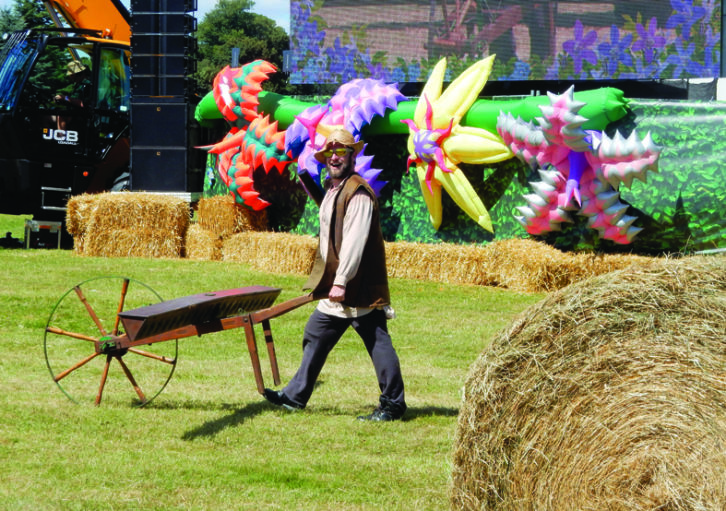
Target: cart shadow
(237, 417)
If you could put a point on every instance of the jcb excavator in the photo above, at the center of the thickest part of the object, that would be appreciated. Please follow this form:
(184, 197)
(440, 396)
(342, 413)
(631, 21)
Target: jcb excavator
(64, 108)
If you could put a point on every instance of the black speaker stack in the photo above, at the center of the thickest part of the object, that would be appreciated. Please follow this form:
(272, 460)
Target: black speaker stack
(162, 62)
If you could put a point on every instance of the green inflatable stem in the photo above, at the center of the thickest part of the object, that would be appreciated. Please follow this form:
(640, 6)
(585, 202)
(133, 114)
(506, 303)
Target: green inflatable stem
(602, 106)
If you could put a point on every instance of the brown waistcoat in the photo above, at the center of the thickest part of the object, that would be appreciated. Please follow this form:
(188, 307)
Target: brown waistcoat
(369, 286)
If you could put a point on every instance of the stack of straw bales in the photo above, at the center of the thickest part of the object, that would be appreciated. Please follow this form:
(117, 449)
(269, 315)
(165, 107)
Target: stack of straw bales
(128, 224)
(518, 264)
(149, 225)
(609, 394)
(220, 218)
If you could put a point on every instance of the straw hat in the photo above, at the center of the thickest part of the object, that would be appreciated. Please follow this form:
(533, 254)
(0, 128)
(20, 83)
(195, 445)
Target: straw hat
(342, 137)
(74, 67)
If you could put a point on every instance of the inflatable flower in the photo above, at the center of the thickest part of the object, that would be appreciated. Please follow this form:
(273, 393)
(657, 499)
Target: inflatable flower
(437, 141)
(581, 170)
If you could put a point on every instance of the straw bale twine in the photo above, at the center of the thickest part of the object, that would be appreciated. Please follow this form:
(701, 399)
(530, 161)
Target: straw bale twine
(136, 225)
(273, 252)
(222, 216)
(202, 244)
(609, 394)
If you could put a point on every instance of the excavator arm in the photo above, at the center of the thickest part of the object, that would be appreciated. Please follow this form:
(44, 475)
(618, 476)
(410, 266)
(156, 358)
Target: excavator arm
(110, 17)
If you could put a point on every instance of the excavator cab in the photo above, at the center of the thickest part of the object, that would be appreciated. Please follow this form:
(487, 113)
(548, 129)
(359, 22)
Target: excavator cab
(64, 119)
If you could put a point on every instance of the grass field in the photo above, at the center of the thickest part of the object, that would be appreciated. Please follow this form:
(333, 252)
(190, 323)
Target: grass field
(210, 441)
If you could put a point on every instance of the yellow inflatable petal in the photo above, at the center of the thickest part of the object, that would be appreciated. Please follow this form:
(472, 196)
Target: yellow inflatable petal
(475, 146)
(431, 198)
(462, 93)
(461, 191)
(432, 90)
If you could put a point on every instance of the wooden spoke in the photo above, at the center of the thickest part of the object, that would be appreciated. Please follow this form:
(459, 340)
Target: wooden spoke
(104, 377)
(124, 290)
(75, 335)
(131, 378)
(75, 366)
(90, 310)
(160, 358)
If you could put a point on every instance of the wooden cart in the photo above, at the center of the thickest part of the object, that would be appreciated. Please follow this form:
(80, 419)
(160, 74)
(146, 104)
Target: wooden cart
(109, 319)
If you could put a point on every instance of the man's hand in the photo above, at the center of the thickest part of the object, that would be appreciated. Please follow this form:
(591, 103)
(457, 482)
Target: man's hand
(337, 294)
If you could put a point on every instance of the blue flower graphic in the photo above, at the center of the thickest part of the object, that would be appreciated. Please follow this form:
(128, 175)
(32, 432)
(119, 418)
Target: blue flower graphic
(579, 47)
(682, 60)
(648, 41)
(614, 52)
(686, 16)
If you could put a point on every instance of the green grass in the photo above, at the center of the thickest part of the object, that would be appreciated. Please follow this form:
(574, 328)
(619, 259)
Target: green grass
(210, 441)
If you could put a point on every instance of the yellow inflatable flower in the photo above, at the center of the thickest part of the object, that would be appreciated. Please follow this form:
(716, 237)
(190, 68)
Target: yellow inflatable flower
(437, 143)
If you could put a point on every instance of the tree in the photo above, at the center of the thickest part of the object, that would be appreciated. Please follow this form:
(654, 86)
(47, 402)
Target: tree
(23, 14)
(231, 25)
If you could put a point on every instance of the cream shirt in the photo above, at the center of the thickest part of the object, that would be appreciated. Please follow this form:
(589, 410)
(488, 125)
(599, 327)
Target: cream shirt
(356, 226)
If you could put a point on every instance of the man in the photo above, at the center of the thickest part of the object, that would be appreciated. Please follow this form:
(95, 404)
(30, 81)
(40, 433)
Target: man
(349, 277)
(80, 82)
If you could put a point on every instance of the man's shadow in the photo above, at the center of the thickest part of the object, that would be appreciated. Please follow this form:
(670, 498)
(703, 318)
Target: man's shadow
(249, 411)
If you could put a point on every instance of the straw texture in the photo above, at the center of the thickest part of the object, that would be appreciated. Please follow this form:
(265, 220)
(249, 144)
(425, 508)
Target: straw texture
(518, 264)
(222, 216)
(128, 225)
(609, 394)
(202, 244)
(79, 211)
(272, 252)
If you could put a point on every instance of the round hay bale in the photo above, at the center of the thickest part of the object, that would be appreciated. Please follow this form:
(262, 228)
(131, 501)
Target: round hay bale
(608, 394)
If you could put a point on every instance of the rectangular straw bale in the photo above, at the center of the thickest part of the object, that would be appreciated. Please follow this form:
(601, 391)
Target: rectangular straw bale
(533, 266)
(443, 262)
(143, 211)
(528, 265)
(202, 244)
(136, 242)
(224, 217)
(273, 252)
(137, 225)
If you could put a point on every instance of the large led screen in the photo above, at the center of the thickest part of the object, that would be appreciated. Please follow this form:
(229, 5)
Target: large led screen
(334, 41)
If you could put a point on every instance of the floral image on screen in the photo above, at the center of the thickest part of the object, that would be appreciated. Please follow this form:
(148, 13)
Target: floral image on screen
(334, 41)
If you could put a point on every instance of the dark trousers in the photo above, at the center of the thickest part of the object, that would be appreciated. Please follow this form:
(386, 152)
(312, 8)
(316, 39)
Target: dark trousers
(323, 332)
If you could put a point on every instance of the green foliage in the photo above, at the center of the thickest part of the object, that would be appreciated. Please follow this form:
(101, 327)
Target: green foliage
(209, 441)
(32, 13)
(10, 20)
(230, 24)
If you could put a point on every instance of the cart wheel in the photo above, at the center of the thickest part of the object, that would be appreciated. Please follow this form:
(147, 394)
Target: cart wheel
(85, 314)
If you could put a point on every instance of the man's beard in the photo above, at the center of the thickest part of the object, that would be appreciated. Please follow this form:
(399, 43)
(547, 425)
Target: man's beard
(345, 169)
